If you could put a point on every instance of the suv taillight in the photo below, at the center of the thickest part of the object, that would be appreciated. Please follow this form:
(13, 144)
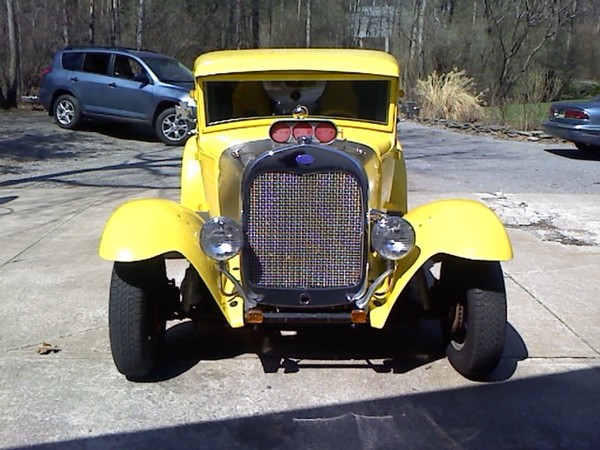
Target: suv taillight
(576, 114)
(45, 71)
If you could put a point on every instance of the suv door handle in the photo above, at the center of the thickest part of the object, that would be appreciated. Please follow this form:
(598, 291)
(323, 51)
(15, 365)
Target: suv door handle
(74, 79)
(113, 84)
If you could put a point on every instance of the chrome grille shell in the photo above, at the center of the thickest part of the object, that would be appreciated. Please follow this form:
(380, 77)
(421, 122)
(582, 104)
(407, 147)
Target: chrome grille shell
(305, 227)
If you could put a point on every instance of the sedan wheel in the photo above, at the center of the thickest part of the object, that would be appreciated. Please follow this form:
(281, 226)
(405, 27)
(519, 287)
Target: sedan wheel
(66, 112)
(475, 326)
(170, 129)
(587, 148)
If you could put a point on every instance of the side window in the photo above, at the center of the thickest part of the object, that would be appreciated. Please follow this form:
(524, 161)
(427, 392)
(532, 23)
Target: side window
(96, 63)
(122, 67)
(137, 68)
(72, 60)
(126, 67)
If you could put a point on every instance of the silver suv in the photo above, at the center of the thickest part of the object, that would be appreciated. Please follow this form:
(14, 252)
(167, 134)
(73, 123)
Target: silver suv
(119, 84)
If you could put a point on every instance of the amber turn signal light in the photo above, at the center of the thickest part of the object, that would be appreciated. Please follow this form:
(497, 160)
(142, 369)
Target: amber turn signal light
(254, 316)
(358, 316)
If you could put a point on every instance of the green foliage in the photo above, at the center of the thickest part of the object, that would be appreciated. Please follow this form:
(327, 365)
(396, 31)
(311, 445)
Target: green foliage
(449, 96)
(580, 89)
(518, 116)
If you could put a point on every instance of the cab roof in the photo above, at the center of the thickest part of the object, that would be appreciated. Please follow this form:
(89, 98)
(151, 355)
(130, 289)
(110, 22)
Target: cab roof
(338, 60)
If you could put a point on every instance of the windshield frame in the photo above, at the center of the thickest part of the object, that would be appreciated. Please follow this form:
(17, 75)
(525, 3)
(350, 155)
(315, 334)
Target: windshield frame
(382, 115)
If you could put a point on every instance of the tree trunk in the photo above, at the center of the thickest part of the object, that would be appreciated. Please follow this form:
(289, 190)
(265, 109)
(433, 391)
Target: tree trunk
(114, 23)
(92, 17)
(308, 23)
(66, 22)
(416, 50)
(237, 23)
(255, 19)
(140, 25)
(13, 76)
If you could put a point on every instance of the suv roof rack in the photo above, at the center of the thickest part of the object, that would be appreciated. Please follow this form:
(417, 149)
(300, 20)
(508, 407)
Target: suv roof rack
(107, 47)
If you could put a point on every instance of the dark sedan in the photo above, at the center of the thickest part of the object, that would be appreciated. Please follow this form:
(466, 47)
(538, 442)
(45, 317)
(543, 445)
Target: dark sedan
(576, 121)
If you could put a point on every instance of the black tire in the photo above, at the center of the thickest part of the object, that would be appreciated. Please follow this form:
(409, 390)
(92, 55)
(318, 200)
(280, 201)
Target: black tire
(475, 326)
(136, 316)
(587, 148)
(66, 111)
(169, 129)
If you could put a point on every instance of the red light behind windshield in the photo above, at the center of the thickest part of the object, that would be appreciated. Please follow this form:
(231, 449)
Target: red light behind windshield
(325, 132)
(302, 129)
(280, 132)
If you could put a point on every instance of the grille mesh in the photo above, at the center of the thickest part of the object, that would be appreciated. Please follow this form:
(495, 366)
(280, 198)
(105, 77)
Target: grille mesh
(305, 231)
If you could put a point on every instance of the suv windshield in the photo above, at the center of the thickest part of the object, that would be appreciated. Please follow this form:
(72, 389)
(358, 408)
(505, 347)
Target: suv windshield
(358, 99)
(169, 70)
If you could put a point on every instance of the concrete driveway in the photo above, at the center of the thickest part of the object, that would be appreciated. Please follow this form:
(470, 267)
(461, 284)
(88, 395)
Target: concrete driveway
(238, 389)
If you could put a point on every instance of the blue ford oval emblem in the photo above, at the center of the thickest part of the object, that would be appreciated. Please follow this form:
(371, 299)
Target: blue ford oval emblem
(305, 160)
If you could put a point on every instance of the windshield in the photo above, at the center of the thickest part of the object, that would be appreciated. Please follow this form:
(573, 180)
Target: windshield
(358, 99)
(170, 70)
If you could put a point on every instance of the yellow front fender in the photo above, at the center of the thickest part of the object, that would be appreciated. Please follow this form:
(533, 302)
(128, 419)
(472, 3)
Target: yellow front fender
(142, 229)
(462, 228)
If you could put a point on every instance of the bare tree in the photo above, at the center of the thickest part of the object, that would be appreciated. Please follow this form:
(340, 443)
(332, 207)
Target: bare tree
(521, 29)
(66, 12)
(10, 99)
(238, 24)
(115, 31)
(308, 14)
(91, 23)
(140, 25)
(416, 49)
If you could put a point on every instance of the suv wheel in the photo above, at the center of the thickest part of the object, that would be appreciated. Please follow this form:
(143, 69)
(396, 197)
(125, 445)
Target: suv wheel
(475, 326)
(169, 129)
(67, 113)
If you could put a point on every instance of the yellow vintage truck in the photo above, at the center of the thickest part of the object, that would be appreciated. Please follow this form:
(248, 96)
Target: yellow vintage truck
(293, 213)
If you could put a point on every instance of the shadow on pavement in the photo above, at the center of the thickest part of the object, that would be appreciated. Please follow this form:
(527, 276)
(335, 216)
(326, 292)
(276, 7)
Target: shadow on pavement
(573, 153)
(395, 350)
(124, 131)
(156, 164)
(546, 412)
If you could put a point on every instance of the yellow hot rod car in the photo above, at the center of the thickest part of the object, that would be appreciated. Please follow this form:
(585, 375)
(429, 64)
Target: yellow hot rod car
(293, 212)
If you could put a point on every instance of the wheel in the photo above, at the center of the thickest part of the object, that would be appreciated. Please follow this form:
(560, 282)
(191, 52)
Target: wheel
(587, 148)
(136, 317)
(169, 129)
(67, 113)
(475, 325)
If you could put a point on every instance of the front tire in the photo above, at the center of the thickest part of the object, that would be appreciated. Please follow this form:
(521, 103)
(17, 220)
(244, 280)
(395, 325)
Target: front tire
(136, 318)
(67, 113)
(171, 130)
(475, 326)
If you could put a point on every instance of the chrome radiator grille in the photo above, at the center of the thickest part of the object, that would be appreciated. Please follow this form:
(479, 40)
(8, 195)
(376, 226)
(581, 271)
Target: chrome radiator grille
(305, 231)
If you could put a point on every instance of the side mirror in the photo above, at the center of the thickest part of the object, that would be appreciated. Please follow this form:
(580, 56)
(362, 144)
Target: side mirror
(400, 93)
(141, 77)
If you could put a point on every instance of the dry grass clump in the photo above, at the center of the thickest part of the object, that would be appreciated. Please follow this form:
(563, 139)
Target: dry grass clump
(449, 96)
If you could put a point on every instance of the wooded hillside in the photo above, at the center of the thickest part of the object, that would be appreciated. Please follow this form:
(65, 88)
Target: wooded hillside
(512, 49)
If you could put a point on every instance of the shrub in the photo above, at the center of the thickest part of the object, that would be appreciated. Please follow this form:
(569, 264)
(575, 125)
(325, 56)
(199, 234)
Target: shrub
(449, 96)
(579, 89)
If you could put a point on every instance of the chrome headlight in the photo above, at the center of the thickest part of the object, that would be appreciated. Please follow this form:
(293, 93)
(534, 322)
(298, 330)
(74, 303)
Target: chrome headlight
(221, 238)
(392, 237)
